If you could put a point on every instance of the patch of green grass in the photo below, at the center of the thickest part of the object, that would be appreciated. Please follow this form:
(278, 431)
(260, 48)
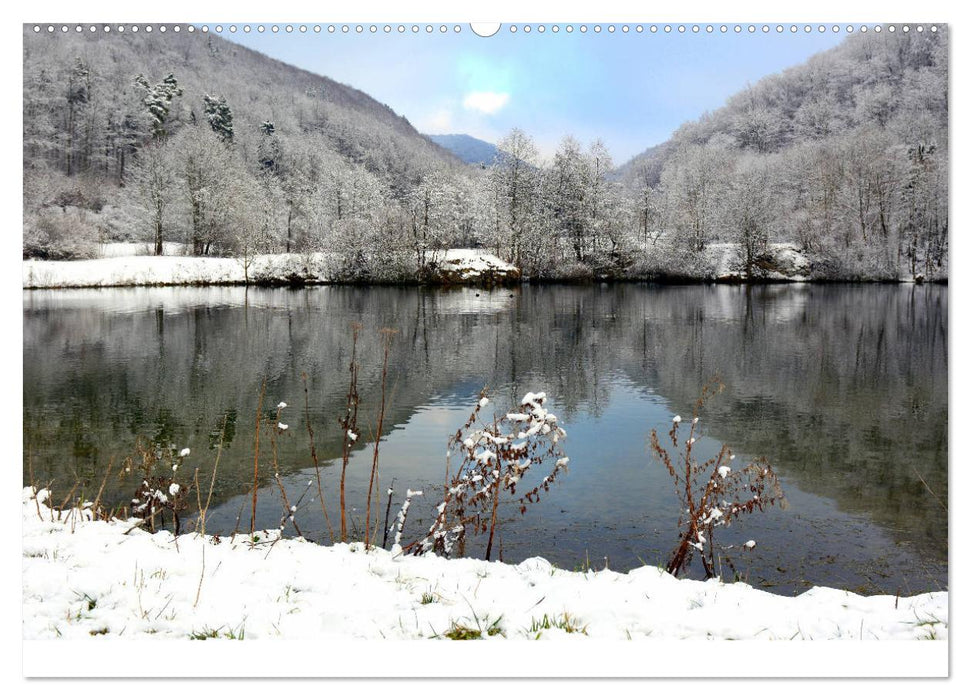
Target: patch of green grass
(930, 626)
(565, 622)
(90, 603)
(210, 633)
(493, 629)
(238, 633)
(462, 632)
(206, 633)
(95, 633)
(427, 598)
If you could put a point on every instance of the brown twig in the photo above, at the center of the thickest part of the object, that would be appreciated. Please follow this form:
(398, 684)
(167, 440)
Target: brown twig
(256, 458)
(97, 500)
(387, 515)
(929, 489)
(33, 484)
(313, 456)
(349, 427)
(201, 575)
(387, 334)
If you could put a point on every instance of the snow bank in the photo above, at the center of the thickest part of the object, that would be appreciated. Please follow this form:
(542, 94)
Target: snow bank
(129, 265)
(137, 270)
(475, 259)
(85, 579)
(783, 262)
(468, 264)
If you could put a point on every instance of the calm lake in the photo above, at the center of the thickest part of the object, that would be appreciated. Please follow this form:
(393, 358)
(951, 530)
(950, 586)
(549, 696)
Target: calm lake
(842, 387)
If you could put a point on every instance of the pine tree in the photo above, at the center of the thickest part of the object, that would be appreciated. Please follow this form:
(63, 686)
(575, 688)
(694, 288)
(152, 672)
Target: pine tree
(220, 117)
(158, 101)
(268, 151)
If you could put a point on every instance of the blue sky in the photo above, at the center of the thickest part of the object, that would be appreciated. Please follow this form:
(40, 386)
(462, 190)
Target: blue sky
(631, 90)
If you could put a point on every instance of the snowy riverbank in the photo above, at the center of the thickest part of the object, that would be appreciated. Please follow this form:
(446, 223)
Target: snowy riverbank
(85, 580)
(131, 265)
(127, 265)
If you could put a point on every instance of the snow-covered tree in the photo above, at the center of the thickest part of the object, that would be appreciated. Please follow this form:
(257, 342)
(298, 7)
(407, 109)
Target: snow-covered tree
(513, 180)
(154, 179)
(219, 116)
(158, 101)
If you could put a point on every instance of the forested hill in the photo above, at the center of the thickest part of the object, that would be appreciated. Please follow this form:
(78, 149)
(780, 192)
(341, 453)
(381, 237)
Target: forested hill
(101, 68)
(845, 155)
(94, 101)
(892, 82)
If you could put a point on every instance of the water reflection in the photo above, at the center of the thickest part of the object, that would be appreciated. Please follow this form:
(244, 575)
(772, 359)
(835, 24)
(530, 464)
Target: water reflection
(843, 387)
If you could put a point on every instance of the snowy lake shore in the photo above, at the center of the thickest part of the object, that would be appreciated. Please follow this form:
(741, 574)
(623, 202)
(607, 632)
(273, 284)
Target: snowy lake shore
(129, 265)
(132, 265)
(85, 579)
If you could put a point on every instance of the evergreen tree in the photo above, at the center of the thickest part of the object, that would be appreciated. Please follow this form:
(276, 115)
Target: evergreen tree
(158, 101)
(220, 117)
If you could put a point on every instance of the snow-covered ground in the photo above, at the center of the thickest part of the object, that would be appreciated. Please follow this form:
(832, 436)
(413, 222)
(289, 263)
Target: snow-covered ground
(87, 579)
(131, 265)
(140, 270)
(125, 250)
(472, 262)
(787, 263)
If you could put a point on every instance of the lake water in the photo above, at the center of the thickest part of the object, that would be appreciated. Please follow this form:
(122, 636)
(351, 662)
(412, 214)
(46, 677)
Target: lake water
(842, 387)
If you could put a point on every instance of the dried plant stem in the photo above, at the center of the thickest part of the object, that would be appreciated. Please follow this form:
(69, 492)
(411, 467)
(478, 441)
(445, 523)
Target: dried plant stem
(313, 456)
(349, 427)
(67, 498)
(290, 510)
(386, 336)
(712, 493)
(33, 484)
(239, 515)
(387, 515)
(97, 500)
(929, 490)
(256, 458)
(492, 520)
(204, 510)
(212, 481)
(201, 575)
(496, 457)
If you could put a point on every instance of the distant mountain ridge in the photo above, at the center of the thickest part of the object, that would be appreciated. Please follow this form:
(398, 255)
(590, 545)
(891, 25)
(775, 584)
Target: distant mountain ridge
(467, 148)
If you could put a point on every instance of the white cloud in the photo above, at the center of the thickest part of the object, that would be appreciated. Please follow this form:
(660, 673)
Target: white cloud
(486, 102)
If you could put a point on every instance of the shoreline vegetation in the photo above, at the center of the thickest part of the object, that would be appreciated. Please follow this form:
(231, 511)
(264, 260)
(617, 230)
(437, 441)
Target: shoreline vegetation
(132, 265)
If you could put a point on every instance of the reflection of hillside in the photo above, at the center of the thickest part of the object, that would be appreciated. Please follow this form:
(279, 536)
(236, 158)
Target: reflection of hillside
(103, 367)
(848, 398)
(843, 387)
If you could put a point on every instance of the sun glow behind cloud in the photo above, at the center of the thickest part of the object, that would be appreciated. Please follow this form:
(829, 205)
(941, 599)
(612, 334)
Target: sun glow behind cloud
(486, 102)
